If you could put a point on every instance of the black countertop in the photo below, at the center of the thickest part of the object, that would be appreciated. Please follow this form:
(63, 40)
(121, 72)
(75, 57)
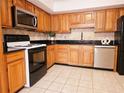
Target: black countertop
(86, 42)
(71, 42)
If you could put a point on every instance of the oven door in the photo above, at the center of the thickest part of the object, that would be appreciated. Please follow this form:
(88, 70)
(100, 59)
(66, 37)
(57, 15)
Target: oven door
(37, 64)
(37, 58)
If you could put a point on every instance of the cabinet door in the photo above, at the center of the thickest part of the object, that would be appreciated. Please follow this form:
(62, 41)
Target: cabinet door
(100, 21)
(74, 54)
(20, 3)
(47, 22)
(29, 7)
(4, 13)
(121, 12)
(40, 17)
(89, 17)
(62, 54)
(65, 23)
(50, 56)
(75, 18)
(111, 20)
(55, 23)
(16, 75)
(86, 56)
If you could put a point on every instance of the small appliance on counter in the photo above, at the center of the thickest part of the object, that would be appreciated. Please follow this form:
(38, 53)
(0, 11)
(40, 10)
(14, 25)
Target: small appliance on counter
(119, 36)
(35, 56)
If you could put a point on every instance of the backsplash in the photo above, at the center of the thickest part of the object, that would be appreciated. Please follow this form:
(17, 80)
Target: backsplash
(84, 34)
(75, 34)
(33, 35)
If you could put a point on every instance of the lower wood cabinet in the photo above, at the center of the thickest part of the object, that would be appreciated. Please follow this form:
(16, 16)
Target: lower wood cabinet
(74, 54)
(62, 54)
(86, 55)
(50, 55)
(81, 55)
(16, 75)
(16, 70)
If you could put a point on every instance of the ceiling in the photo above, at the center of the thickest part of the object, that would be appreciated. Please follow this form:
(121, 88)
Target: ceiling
(64, 6)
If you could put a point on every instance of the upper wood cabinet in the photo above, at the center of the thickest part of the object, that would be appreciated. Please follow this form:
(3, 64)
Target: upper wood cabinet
(106, 20)
(75, 18)
(89, 17)
(100, 21)
(40, 17)
(20, 3)
(86, 55)
(60, 23)
(29, 7)
(121, 12)
(64, 26)
(55, 23)
(47, 22)
(6, 13)
(111, 20)
(74, 54)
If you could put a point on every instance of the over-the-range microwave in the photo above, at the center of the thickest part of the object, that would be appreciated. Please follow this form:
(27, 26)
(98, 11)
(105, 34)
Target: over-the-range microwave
(23, 19)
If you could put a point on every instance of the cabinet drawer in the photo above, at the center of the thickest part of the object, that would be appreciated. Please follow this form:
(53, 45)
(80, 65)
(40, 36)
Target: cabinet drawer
(14, 56)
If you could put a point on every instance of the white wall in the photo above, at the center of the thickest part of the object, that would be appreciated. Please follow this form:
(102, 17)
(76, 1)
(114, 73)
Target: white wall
(64, 5)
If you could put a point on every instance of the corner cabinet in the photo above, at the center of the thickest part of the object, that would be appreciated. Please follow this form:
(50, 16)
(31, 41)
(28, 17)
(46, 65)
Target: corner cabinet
(50, 55)
(16, 70)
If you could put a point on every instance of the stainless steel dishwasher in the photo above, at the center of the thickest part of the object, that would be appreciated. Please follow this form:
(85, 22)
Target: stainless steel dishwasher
(104, 57)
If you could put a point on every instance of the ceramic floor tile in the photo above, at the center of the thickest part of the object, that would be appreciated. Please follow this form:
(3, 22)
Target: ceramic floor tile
(61, 80)
(37, 90)
(69, 89)
(84, 90)
(42, 84)
(72, 82)
(56, 86)
(86, 84)
(65, 79)
(24, 90)
(51, 91)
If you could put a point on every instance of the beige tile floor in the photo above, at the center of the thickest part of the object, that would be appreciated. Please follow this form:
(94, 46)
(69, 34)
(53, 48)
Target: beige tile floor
(66, 79)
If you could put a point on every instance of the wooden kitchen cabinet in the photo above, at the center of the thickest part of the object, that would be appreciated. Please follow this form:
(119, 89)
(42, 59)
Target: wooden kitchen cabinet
(47, 22)
(86, 55)
(111, 20)
(89, 17)
(62, 54)
(121, 12)
(20, 3)
(39, 14)
(30, 7)
(6, 13)
(64, 26)
(100, 21)
(74, 54)
(55, 23)
(3, 65)
(50, 55)
(16, 70)
(75, 18)
(60, 23)
(106, 20)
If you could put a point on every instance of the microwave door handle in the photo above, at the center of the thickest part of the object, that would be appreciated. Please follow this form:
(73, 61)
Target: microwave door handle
(34, 21)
